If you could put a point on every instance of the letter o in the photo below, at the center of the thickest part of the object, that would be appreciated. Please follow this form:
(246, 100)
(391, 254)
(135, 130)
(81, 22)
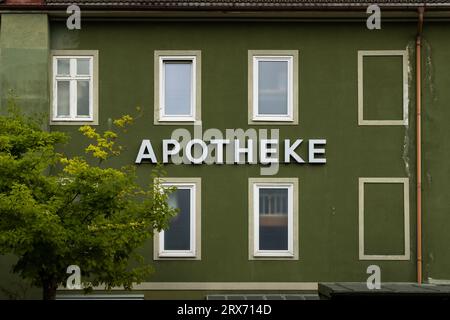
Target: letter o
(189, 147)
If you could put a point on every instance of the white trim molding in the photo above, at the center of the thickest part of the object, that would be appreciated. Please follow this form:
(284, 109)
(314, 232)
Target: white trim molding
(387, 53)
(291, 184)
(297, 286)
(406, 255)
(193, 184)
(438, 281)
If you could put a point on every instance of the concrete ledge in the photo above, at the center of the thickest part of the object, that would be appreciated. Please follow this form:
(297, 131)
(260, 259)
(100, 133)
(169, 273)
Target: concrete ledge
(397, 290)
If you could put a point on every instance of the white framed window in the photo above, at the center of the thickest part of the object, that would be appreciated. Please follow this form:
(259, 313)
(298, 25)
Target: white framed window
(177, 86)
(182, 238)
(273, 81)
(74, 87)
(273, 223)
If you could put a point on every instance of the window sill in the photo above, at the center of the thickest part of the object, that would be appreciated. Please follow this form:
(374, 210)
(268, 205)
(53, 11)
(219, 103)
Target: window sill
(172, 122)
(274, 256)
(174, 256)
(288, 122)
(75, 122)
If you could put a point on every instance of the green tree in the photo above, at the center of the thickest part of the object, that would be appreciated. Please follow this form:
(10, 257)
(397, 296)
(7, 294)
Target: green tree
(57, 211)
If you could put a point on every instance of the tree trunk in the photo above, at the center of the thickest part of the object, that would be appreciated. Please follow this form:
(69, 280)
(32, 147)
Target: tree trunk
(49, 290)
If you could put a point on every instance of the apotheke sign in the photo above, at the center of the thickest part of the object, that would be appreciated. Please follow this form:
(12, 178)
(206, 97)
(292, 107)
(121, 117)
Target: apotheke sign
(236, 151)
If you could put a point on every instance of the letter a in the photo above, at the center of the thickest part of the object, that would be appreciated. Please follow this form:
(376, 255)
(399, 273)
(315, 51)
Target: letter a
(74, 20)
(374, 21)
(146, 145)
(374, 280)
(74, 280)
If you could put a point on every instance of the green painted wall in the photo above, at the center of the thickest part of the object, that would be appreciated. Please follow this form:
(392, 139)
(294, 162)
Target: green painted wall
(24, 50)
(383, 88)
(328, 194)
(436, 134)
(383, 210)
(328, 197)
(24, 44)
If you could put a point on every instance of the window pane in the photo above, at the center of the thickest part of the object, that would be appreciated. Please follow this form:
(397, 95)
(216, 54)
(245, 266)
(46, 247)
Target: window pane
(63, 100)
(83, 66)
(63, 67)
(82, 98)
(178, 235)
(177, 85)
(273, 87)
(273, 219)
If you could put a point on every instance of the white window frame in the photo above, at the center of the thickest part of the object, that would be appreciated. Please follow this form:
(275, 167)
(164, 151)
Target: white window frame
(193, 184)
(406, 225)
(291, 57)
(160, 116)
(73, 118)
(73, 78)
(291, 184)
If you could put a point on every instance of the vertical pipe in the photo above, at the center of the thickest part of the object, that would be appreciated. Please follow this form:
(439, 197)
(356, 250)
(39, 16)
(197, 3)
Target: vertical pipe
(419, 144)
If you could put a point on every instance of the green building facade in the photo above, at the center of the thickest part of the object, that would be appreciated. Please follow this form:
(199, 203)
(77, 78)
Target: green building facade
(349, 85)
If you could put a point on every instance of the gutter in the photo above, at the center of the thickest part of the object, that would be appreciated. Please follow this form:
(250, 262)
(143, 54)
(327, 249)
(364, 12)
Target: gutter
(224, 7)
(228, 9)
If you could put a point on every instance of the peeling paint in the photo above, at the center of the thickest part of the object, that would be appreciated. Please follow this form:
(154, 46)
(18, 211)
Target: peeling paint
(429, 72)
(405, 155)
(429, 178)
(406, 139)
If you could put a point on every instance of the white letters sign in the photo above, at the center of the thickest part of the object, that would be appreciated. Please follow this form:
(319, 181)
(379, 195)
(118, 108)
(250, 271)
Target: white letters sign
(197, 151)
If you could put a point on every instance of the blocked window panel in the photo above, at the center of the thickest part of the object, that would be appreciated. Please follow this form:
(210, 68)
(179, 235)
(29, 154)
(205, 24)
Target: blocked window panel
(382, 87)
(384, 219)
